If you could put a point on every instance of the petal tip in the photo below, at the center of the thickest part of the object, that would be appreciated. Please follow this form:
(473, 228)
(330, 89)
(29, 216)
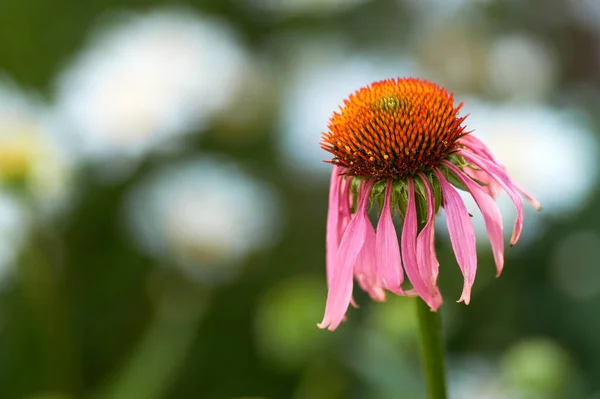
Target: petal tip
(466, 301)
(435, 302)
(465, 297)
(514, 239)
(329, 325)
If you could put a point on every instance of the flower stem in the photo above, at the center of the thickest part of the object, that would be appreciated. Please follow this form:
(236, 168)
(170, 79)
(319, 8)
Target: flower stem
(432, 350)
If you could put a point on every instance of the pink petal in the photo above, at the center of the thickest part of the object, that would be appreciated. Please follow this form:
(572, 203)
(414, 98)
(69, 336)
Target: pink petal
(388, 248)
(490, 185)
(340, 289)
(333, 219)
(426, 256)
(409, 255)
(365, 269)
(491, 215)
(502, 178)
(462, 235)
(344, 206)
(529, 197)
(479, 148)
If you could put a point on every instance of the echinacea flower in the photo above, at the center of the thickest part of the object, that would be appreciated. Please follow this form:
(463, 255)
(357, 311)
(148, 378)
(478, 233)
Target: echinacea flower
(401, 144)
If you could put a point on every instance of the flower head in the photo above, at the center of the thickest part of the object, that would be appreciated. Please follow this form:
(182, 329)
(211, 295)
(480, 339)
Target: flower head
(401, 144)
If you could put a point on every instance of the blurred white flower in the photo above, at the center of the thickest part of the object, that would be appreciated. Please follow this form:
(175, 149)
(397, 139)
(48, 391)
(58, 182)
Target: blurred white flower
(204, 216)
(521, 67)
(30, 154)
(13, 229)
(321, 75)
(474, 377)
(147, 78)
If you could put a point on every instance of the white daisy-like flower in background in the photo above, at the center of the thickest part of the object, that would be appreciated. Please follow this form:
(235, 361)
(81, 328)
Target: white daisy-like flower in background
(145, 79)
(30, 154)
(13, 232)
(319, 76)
(474, 377)
(204, 216)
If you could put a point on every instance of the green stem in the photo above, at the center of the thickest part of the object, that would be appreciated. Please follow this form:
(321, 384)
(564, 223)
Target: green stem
(432, 350)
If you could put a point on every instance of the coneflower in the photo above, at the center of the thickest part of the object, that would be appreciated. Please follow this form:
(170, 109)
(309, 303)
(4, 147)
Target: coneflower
(400, 146)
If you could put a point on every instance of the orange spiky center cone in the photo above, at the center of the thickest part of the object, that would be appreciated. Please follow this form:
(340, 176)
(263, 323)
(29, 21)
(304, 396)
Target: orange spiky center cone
(394, 128)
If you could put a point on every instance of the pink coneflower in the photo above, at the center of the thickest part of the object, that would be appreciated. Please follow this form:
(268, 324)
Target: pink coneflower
(401, 145)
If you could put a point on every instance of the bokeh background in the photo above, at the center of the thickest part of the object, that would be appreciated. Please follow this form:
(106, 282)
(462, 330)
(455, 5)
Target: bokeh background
(163, 199)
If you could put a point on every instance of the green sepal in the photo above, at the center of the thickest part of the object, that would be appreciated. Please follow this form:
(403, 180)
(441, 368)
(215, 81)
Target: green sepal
(458, 160)
(377, 194)
(354, 189)
(437, 191)
(400, 198)
(452, 179)
(420, 201)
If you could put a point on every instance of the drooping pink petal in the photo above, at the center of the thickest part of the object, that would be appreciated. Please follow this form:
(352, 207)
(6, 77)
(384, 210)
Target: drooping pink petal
(353, 240)
(426, 256)
(345, 214)
(477, 146)
(333, 219)
(365, 269)
(389, 264)
(499, 174)
(528, 196)
(491, 215)
(409, 252)
(489, 184)
(344, 205)
(462, 235)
